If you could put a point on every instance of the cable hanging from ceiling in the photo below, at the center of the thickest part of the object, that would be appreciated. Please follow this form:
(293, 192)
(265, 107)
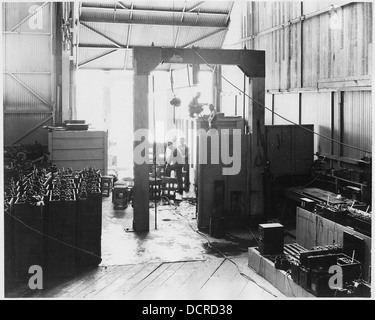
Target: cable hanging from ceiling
(284, 118)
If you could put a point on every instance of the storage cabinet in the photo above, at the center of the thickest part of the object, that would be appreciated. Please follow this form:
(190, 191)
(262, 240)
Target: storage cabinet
(289, 149)
(233, 188)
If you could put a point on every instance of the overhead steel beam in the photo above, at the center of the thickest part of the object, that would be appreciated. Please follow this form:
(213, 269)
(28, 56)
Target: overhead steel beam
(31, 130)
(153, 21)
(196, 6)
(96, 46)
(140, 10)
(129, 18)
(251, 62)
(29, 16)
(28, 111)
(101, 34)
(30, 90)
(204, 37)
(96, 58)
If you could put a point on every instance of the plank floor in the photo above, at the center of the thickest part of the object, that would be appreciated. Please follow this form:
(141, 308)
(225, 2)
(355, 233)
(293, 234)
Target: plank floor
(170, 262)
(212, 278)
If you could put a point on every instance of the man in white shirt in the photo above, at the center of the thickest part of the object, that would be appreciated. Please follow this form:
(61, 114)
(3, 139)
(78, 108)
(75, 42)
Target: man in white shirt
(174, 161)
(184, 151)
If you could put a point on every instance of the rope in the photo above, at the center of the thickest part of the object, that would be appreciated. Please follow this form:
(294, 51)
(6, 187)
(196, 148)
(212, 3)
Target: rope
(217, 250)
(286, 119)
(52, 238)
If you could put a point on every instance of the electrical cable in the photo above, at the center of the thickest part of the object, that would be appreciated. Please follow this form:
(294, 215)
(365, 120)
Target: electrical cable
(284, 118)
(217, 250)
(52, 238)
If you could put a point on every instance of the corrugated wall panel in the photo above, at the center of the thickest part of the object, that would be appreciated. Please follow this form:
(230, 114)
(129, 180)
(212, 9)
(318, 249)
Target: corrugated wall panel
(316, 110)
(267, 113)
(116, 31)
(287, 106)
(35, 57)
(145, 35)
(115, 60)
(357, 123)
(13, 123)
(336, 44)
(15, 12)
(313, 6)
(86, 54)
(213, 41)
(17, 97)
(28, 72)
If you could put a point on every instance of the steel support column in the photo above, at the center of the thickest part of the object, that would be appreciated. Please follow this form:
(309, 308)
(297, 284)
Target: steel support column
(141, 172)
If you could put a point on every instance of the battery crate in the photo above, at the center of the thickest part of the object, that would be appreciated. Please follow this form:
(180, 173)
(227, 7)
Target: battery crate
(155, 189)
(28, 238)
(9, 245)
(106, 185)
(120, 197)
(62, 240)
(169, 188)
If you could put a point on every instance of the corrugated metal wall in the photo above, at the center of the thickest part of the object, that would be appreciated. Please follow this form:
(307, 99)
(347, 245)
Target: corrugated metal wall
(357, 123)
(328, 50)
(316, 110)
(286, 105)
(333, 44)
(28, 71)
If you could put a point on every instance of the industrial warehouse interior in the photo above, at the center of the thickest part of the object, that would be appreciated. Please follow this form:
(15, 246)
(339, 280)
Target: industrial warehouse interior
(187, 150)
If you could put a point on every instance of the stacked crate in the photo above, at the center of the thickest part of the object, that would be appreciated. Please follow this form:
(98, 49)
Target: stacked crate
(120, 197)
(62, 227)
(29, 211)
(88, 220)
(106, 185)
(155, 189)
(169, 187)
(9, 199)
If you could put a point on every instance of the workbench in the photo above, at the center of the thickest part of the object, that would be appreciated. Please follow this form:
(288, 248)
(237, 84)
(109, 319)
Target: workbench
(314, 230)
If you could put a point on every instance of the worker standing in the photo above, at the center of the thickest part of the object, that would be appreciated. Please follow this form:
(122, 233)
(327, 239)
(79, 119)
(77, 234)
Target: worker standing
(174, 162)
(184, 151)
(213, 117)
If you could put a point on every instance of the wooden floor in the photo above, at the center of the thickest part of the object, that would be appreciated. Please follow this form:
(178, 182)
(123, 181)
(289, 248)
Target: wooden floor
(211, 278)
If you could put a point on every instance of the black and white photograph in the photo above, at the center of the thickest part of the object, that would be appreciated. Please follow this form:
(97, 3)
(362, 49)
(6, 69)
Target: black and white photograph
(196, 152)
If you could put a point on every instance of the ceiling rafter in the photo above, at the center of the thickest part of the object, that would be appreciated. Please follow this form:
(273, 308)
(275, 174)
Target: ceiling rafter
(135, 10)
(96, 58)
(204, 37)
(179, 27)
(101, 34)
(29, 16)
(127, 45)
(198, 5)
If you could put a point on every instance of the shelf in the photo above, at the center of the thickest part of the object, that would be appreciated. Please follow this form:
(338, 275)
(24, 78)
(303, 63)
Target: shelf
(342, 179)
(342, 159)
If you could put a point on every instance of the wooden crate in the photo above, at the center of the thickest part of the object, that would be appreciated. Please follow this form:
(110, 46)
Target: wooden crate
(9, 247)
(79, 149)
(106, 185)
(28, 242)
(61, 227)
(88, 231)
(155, 189)
(120, 197)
